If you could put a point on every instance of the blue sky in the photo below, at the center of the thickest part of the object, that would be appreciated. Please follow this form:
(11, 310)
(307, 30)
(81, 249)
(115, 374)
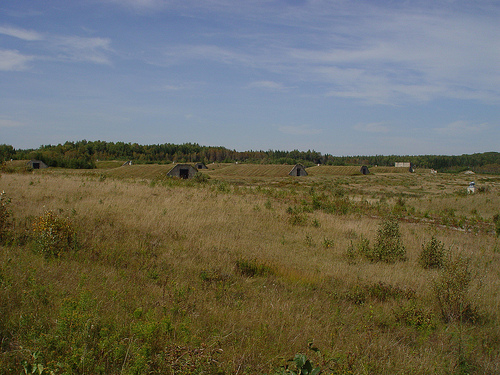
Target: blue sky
(341, 77)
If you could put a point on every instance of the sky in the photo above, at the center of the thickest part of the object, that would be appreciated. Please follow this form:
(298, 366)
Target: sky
(340, 77)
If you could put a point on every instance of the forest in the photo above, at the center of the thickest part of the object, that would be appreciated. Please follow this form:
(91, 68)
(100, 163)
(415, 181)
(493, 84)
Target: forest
(84, 154)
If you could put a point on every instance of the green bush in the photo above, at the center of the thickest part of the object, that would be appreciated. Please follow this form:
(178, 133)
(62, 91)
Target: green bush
(388, 246)
(432, 255)
(53, 235)
(414, 316)
(451, 290)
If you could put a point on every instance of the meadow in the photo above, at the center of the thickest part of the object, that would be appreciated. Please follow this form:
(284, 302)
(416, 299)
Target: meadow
(127, 271)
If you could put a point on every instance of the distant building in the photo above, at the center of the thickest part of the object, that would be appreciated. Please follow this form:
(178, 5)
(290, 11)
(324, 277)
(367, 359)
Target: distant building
(364, 170)
(298, 170)
(36, 164)
(200, 166)
(404, 164)
(471, 189)
(184, 171)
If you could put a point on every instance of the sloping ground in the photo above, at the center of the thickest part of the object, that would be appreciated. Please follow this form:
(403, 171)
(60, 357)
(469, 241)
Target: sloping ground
(145, 171)
(351, 170)
(253, 170)
(330, 170)
(14, 165)
(108, 164)
(389, 170)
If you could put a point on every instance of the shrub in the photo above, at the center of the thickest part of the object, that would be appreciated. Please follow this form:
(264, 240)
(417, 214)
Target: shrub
(432, 255)
(412, 315)
(451, 292)
(53, 235)
(388, 246)
(364, 247)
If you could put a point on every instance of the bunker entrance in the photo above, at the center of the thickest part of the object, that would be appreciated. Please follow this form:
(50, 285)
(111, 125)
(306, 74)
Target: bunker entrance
(184, 173)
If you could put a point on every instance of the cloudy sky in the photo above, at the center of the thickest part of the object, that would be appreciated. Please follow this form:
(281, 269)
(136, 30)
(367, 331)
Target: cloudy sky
(338, 76)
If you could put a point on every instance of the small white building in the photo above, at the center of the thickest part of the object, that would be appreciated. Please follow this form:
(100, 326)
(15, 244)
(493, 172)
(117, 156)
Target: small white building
(471, 189)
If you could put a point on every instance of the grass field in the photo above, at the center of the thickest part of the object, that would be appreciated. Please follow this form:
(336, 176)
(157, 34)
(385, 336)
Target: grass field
(133, 274)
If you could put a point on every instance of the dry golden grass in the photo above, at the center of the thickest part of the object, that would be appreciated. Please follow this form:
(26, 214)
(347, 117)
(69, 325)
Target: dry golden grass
(253, 170)
(153, 254)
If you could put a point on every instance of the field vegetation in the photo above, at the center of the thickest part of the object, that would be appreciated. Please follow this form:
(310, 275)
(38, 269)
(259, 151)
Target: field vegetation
(104, 272)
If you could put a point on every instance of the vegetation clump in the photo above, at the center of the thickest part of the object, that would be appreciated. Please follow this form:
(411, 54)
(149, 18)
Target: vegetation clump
(388, 245)
(53, 235)
(451, 290)
(303, 366)
(496, 221)
(360, 293)
(251, 268)
(433, 254)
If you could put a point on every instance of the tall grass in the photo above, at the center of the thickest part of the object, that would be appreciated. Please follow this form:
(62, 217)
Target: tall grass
(194, 278)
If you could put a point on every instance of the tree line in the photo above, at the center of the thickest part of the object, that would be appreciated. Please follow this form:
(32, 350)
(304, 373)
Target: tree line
(84, 154)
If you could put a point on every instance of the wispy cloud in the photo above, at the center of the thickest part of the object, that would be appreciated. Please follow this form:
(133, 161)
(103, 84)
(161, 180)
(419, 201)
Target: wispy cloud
(299, 130)
(82, 49)
(27, 35)
(359, 51)
(54, 47)
(11, 60)
(4, 123)
(460, 128)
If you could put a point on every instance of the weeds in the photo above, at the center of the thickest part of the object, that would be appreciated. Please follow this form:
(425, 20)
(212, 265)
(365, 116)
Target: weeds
(251, 268)
(360, 293)
(412, 315)
(34, 366)
(328, 243)
(303, 366)
(53, 235)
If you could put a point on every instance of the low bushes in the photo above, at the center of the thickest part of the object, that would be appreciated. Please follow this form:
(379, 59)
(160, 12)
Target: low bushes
(451, 290)
(433, 254)
(388, 245)
(53, 235)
